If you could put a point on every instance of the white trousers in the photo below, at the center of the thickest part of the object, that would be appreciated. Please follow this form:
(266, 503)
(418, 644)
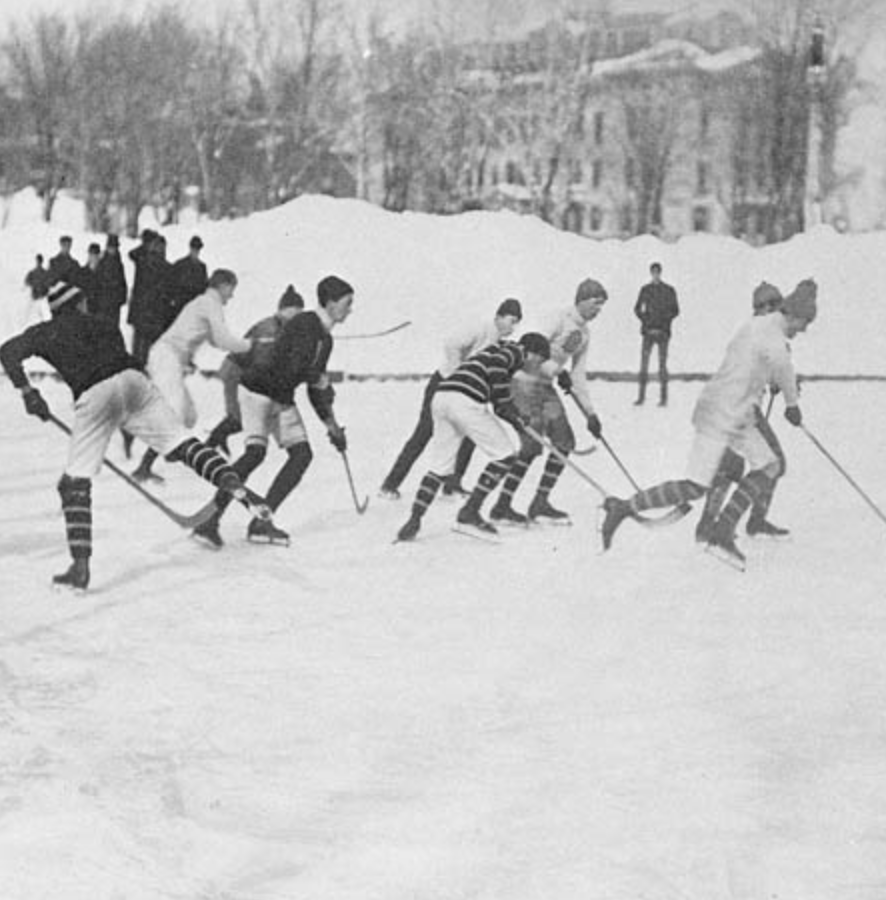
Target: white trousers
(263, 418)
(168, 370)
(128, 400)
(457, 416)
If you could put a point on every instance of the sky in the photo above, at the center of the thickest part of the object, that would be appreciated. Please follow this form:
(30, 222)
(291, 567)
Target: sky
(348, 719)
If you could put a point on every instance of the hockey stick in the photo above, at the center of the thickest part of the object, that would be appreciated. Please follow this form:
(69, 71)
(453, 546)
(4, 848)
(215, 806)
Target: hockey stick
(671, 516)
(877, 511)
(674, 515)
(374, 334)
(193, 521)
(360, 507)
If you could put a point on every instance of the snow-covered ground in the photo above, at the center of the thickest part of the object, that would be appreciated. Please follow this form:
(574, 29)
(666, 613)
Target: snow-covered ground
(348, 718)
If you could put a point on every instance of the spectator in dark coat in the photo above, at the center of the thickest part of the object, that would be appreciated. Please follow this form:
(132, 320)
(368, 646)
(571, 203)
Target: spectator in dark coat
(145, 315)
(38, 279)
(187, 279)
(656, 308)
(63, 266)
(111, 282)
(87, 277)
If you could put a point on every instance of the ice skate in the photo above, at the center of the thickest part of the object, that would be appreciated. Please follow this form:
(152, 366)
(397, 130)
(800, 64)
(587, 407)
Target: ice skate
(722, 545)
(540, 510)
(388, 493)
(469, 522)
(506, 514)
(409, 531)
(455, 489)
(264, 531)
(145, 475)
(208, 533)
(76, 578)
(616, 512)
(765, 529)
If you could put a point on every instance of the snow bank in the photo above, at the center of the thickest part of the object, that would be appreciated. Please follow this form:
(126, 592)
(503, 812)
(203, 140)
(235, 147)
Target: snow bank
(441, 271)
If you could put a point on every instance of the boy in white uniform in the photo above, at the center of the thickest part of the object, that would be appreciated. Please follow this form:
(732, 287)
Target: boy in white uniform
(724, 419)
(202, 321)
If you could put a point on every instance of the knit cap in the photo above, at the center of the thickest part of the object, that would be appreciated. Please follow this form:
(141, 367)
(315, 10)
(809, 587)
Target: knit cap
(589, 289)
(61, 293)
(766, 297)
(332, 288)
(510, 307)
(801, 301)
(290, 297)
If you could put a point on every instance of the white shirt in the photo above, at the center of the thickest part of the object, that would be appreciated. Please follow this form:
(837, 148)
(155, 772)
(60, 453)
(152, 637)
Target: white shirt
(460, 346)
(570, 336)
(202, 320)
(758, 355)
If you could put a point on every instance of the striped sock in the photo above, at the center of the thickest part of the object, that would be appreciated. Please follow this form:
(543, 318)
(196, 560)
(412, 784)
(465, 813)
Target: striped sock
(754, 486)
(208, 463)
(488, 480)
(669, 493)
(427, 491)
(76, 496)
(553, 469)
(514, 478)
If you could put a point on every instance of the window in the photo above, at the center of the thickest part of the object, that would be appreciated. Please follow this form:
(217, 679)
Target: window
(598, 128)
(597, 173)
(701, 218)
(576, 173)
(701, 178)
(574, 218)
(596, 218)
(704, 122)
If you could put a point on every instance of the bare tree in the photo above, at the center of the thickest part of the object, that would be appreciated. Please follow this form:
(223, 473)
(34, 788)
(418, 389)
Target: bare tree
(42, 55)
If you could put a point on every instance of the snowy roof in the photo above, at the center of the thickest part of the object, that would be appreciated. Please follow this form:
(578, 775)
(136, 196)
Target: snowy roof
(676, 54)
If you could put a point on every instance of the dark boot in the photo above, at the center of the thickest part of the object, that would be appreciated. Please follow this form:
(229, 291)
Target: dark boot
(77, 576)
(616, 512)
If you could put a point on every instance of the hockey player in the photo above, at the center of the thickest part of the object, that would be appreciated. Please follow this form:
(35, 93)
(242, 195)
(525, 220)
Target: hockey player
(539, 403)
(267, 399)
(766, 299)
(724, 419)
(202, 321)
(110, 391)
(460, 409)
(456, 350)
(265, 332)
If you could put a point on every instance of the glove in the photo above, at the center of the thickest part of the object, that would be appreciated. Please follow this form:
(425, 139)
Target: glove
(793, 415)
(564, 379)
(35, 404)
(513, 417)
(594, 426)
(338, 438)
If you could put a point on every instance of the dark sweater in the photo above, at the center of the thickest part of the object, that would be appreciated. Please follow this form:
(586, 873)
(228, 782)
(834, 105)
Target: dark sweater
(300, 356)
(83, 349)
(486, 376)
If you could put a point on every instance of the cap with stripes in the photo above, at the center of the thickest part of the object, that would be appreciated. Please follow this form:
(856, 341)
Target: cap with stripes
(61, 293)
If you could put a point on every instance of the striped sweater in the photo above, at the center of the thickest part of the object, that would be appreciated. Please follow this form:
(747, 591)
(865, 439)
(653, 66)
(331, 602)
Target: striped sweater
(486, 376)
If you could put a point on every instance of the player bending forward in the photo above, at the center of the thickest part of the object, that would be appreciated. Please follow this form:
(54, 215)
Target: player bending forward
(110, 391)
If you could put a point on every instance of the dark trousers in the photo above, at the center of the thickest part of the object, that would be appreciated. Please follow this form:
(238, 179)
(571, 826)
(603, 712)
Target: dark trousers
(418, 440)
(654, 339)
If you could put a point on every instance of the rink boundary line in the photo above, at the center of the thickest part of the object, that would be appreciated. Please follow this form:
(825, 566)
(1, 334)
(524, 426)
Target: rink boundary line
(601, 375)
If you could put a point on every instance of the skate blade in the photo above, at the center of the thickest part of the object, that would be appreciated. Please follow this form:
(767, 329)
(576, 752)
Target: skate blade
(261, 539)
(69, 589)
(544, 522)
(204, 541)
(771, 538)
(471, 532)
(725, 557)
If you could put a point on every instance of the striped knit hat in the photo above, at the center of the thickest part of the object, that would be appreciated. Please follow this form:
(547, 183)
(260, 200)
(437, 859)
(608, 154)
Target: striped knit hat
(61, 293)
